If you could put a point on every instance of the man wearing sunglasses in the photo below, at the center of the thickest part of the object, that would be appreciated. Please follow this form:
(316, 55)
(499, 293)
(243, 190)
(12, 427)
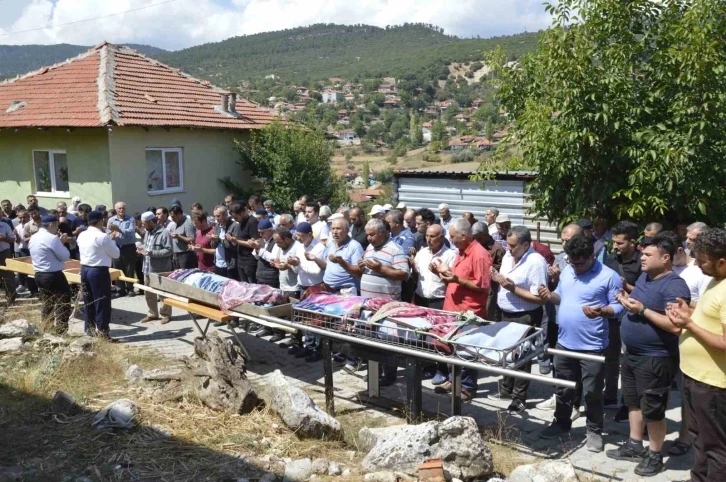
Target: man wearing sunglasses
(586, 294)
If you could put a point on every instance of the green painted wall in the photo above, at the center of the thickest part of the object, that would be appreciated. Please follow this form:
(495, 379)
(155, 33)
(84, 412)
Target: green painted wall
(208, 155)
(88, 163)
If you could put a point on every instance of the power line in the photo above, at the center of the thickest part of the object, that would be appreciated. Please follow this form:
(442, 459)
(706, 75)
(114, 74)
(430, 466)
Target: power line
(87, 19)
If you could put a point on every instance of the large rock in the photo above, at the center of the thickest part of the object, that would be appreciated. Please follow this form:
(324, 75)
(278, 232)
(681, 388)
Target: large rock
(298, 410)
(81, 345)
(456, 441)
(18, 328)
(548, 471)
(11, 345)
(298, 470)
(65, 404)
(134, 373)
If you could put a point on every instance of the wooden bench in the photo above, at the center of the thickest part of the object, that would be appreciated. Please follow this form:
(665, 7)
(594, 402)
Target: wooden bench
(197, 310)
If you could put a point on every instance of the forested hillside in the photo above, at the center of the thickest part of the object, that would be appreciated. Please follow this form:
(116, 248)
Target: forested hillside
(352, 52)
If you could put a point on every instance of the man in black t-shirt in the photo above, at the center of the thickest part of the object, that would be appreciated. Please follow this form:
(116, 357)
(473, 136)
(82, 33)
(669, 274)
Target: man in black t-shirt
(243, 232)
(358, 226)
(651, 359)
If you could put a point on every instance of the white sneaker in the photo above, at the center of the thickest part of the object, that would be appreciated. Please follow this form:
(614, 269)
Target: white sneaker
(549, 404)
(21, 289)
(575, 414)
(350, 368)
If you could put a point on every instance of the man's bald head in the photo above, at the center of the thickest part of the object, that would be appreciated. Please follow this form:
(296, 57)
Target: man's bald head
(569, 231)
(435, 237)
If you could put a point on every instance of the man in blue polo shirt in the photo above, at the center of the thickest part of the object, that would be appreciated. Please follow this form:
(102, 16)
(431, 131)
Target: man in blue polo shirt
(586, 294)
(340, 261)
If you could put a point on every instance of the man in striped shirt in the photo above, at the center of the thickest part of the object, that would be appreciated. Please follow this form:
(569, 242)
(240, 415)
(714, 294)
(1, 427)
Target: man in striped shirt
(384, 265)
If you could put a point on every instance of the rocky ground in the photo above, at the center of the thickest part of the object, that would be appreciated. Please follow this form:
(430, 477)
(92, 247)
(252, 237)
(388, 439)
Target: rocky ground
(185, 437)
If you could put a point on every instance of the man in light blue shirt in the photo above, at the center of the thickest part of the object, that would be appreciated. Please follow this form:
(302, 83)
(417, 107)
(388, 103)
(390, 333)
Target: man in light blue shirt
(122, 229)
(341, 259)
(586, 297)
(48, 255)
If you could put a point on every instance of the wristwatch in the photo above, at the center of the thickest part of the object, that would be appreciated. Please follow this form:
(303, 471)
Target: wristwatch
(642, 311)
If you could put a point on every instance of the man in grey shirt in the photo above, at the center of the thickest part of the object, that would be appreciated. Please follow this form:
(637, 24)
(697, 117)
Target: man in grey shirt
(182, 236)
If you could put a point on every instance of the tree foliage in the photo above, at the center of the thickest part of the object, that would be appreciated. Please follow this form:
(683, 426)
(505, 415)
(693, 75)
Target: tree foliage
(622, 109)
(291, 161)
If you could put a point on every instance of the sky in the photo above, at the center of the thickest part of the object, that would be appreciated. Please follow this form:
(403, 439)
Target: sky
(177, 24)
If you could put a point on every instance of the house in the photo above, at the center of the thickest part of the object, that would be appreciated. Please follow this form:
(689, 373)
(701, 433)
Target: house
(484, 144)
(457, 145)
(426, 132)
(95, 128)
(427, 125)
(385, 88)
(347, 138)
(445, 104)
(335, 80)
(302, 92)
(477, 103)
(270, 76)
(342, 113)
(364, 195)
(390, 103)
(349, 97)
(331, 96)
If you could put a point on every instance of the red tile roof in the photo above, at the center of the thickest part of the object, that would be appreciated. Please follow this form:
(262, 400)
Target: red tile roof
(115, 85)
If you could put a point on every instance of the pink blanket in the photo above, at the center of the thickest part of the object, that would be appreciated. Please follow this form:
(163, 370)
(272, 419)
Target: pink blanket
(234, 293)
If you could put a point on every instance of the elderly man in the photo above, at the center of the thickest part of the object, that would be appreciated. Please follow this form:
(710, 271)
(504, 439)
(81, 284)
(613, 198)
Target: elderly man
(122, 230)
(377, 212)
(7, 242)
(287, 221)
(97, 251)
(225, 256)
(243, 234)
(284, 250)
(383, 267)
(490, 216)
(445, 217)
(586, 294)
(49, 256)
(298, 212)
(157, 252)
(692, 232)
(182, 237)
(702, 349)
(340, 260)
(468, 283)
(504, 224)
(62, 209)
(523, 271)
(480, 232)
(427, 263)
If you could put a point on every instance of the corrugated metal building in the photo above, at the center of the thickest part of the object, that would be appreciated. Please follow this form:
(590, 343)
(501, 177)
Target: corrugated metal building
(420, 188)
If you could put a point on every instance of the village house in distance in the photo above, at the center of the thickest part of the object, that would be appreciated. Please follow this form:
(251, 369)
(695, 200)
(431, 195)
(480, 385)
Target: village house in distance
(114, 124)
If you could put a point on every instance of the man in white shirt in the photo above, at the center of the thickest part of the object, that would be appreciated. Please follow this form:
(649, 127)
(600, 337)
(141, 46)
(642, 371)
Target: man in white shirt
(321, 231)
(430, 290)
(309, 274)
(286, 247)
(97, 251)
(49, 255)
(522, 273)
(490, 215)
(446, 219)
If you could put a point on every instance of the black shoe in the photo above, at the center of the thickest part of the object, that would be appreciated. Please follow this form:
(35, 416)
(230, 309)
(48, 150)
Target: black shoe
(610, 404)
(294, 349)
(277, 337)
(628, 452)
(516, 407)
(219, 323)
(131, 294)
(303, 352)
(314, 357)
(652, 464)
(445, 387)
(621, 416)
(339, 358)
(554, 431)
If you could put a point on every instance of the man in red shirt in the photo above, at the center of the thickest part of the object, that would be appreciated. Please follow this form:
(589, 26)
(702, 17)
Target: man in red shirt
(467, 288)
(202, 244)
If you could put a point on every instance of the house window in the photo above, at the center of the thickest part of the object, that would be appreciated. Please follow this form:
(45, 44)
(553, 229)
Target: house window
(164, 170)
(51, 173)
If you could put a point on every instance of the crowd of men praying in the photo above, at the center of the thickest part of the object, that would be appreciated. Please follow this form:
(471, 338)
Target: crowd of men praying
(652, 302)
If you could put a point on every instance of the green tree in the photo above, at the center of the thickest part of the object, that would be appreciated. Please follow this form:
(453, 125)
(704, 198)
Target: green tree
(366, 172)
(621, 110)
(489, 130)
(438, 132)
(415, 134)
(291, 161)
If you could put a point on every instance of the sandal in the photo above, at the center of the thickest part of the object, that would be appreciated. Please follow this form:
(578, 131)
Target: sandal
(679, 448)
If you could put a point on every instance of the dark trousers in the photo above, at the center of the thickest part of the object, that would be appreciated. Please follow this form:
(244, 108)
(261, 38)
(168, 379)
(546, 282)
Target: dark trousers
(612, 360)
(30, 283)
(6, 277)
(139, 268)
(706, 406)
(185, 260)
(247, 271)
(55, 295)
(435, 303)
(126, 262)
(96, 284)
(230, 273)
(517, 387)
(590, 379)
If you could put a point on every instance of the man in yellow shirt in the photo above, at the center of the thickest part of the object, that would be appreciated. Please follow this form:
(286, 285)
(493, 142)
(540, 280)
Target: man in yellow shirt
(703, 359)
